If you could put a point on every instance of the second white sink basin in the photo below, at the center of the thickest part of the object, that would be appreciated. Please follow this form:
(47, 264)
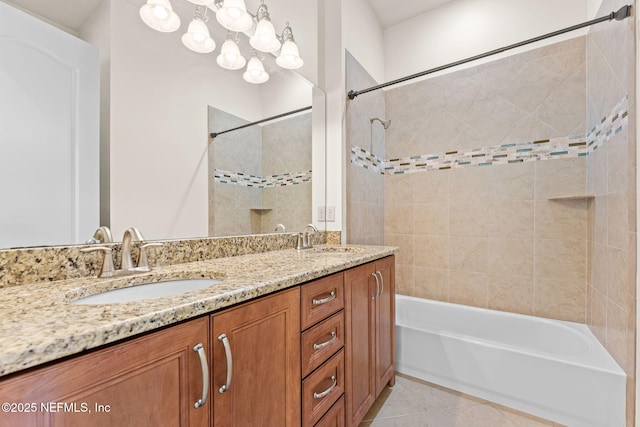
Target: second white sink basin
(147, 291)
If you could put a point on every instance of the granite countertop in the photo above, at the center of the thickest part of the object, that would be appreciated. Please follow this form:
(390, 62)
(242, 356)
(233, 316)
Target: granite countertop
(39, 324)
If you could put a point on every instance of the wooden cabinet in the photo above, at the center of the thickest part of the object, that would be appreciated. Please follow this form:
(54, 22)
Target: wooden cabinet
(315, 355)
(323, 372)
(152, 380)
(260, 366)
(369, 345)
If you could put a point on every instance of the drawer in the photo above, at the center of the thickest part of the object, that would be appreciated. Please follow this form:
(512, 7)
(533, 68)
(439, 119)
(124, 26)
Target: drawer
(334, 417)
(320, 299)
(321, 341)
(322, 389)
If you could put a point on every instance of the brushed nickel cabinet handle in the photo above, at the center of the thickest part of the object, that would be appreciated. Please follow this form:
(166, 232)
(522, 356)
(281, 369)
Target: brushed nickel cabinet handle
(381, 281)
(199, 348)
(331, 297)
(227, 350)
(375, 276)
(326, 343)
(327, 391)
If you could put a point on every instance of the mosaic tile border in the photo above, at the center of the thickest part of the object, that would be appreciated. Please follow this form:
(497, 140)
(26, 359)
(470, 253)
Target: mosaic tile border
(546, 149)
(242, 179)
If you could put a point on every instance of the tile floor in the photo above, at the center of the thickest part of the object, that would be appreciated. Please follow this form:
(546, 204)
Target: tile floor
(415, 403)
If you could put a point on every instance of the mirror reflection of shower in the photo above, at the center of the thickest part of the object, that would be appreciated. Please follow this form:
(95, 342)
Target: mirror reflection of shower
(385, 124)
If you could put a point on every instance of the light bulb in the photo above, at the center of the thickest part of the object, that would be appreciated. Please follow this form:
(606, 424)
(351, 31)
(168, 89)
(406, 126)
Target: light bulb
(289, 57)
(197, 37)
(159, 15)
(230, 57)
(233, 16)
(265, 39)
(255, 72)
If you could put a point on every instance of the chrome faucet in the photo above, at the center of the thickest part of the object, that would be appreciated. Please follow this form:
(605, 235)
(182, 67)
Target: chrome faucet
(304, 238)
(126, 265)
(102, 235)
(281, 228)
(131, 233)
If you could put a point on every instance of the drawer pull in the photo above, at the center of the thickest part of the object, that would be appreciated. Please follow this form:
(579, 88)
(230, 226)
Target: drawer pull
(331, 297)
(327, 391)
(205, 375)
(375, 276)
(326, 343)
(227, 350)
(381, 282)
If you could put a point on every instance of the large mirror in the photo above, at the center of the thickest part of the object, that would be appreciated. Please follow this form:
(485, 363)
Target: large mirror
(157, 99)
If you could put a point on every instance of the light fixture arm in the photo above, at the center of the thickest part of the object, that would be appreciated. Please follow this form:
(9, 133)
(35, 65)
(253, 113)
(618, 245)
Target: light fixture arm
(201, 13)
(287, 34)
(262, 13)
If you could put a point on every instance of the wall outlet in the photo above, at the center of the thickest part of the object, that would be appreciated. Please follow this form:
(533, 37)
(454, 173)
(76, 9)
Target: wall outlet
(321, 214)
(331, 213)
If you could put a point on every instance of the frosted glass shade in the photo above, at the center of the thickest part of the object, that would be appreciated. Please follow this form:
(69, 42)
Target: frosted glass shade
(255, 72)
(233, 16)
(289, 57)
(230, 57)
(159, 15)
(265, 39)
(197, 37)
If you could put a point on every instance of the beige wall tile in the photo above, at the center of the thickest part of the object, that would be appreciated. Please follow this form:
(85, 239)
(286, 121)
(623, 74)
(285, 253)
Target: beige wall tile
(398, 189)
(430, 187)
(618, 219)
(406, 245)
(560, 177)
(600, 268)
(468, 254)
(561, 219)
(560, 260)
(405, 279)
(510, 218)
(599, 220)
(598, 315)
(511, 182)
(617, 260)
(431, 251)
(431, 219)
(618, 162)
(469, 288)
(511, 257)
(432, 283)
(511, 293)
(617, 332)
(560, 299)
(470, 184)
(398, 219)
(468, 218)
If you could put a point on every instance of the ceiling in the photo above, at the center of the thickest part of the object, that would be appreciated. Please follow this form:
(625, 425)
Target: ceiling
(73, 14)
(69, 14)
(393, 12)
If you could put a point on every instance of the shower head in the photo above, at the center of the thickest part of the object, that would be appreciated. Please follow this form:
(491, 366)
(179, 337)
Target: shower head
(385, 123)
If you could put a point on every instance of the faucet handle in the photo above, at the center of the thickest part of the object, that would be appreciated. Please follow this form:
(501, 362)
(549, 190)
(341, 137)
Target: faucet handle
(107, 269)
(143, 261)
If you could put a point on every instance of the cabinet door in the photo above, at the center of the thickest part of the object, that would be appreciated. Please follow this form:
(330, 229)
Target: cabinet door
(385, 324)
(152, 380)
(360, 342)
(263, 343)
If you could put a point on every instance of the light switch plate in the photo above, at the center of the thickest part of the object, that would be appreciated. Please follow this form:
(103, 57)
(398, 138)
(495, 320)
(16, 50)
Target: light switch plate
(331, 213)
(321, 214)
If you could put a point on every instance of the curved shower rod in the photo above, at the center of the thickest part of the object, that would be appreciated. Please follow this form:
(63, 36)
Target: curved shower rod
(622, 13)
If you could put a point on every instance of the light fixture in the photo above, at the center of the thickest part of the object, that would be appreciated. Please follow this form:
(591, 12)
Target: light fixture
(289, 57)
(264, 39)
(197, 37)
(159, 15)
(233, 16)
(255, 71)
(230, 57)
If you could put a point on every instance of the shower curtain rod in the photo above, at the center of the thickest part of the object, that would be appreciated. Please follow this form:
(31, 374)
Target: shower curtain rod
(622, 13)
(299, 110)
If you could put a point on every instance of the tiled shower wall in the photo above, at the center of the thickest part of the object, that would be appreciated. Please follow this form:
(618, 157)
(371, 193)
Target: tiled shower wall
(286, 147)
(365, 190)
(611, 174)
(492, 236)
(278, 148)
(229, 205)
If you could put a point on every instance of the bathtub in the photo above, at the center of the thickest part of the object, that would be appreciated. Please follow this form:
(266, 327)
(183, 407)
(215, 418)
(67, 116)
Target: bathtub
(553, 369)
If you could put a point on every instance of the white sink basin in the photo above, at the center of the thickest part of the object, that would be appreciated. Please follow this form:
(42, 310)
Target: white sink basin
(147, 291)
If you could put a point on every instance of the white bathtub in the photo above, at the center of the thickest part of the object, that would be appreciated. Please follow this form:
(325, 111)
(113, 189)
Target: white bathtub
(553, 369)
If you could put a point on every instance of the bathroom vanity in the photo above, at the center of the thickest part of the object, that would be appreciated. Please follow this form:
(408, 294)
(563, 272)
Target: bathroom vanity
(287, 338)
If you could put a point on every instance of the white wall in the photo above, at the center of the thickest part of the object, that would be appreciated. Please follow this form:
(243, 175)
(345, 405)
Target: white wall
(160, 92)
(363, 36)
(463, 28)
